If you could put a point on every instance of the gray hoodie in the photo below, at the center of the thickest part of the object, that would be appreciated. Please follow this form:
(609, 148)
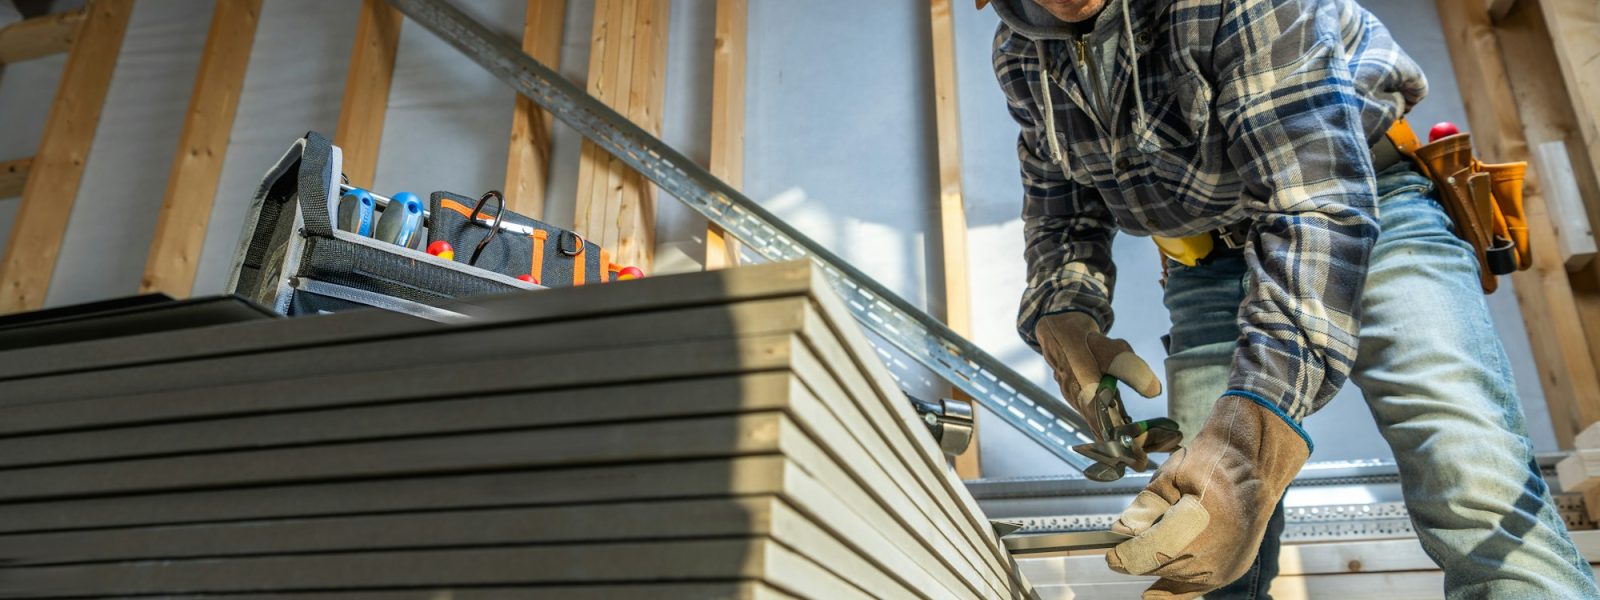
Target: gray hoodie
(1100, 37)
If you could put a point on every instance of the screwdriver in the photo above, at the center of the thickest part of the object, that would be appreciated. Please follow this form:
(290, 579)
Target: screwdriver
(355, 212)
(401, 223)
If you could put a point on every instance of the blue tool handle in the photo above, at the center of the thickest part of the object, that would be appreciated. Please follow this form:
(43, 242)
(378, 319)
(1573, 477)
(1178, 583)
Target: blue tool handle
(356, 212)
(401, 223)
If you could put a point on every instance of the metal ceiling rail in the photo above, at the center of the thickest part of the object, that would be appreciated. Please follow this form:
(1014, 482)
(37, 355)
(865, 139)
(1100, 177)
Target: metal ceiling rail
(1043, 417)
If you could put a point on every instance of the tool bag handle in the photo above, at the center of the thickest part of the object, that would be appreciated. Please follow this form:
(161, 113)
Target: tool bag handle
(293, 195)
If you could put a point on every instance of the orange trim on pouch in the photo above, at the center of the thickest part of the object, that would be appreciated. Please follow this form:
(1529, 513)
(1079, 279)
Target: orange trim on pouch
(536, 265)
(578, 264)
(606, 271)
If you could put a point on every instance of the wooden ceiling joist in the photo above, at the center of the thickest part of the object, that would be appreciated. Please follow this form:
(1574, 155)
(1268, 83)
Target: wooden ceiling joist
(627, 71)
(39, 36)
(528, 160)
(13, 176)
(727, 118)
(202, 145)
(57, 169)
(366, 90)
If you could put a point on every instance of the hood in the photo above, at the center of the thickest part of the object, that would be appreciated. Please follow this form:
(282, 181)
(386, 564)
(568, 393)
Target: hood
(1034, 22)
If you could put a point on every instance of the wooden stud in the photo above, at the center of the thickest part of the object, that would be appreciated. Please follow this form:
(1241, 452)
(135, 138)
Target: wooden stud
(1544, 294)
(192, 186)
(1574, 30)
(952, 208)
(366, 90)
(528, 161)
(39, 36)
(627, 71)
(727, 118)
(14, 176)
(1574, 34)
(57, 169)
(1541, 88)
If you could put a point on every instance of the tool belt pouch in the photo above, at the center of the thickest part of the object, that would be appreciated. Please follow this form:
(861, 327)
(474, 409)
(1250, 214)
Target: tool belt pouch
(1485, 203)
(293, 259)
(486, 236)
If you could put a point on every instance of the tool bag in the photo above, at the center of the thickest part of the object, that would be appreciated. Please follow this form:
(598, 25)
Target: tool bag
(1483, 200)
(487, 236)
(291, 258)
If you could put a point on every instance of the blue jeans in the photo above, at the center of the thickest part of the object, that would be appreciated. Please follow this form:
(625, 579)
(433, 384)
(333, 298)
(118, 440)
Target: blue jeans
(1438, 384)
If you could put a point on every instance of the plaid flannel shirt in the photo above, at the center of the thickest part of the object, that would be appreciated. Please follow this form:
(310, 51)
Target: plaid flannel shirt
(1254, 109)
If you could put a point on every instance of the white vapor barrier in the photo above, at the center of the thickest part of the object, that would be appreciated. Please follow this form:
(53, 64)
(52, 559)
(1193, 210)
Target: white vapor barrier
(293, 84)
(449, 121)
(839, 131)
(125, 176)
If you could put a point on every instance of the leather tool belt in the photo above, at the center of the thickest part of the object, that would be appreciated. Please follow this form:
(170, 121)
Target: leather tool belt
(1484, 202)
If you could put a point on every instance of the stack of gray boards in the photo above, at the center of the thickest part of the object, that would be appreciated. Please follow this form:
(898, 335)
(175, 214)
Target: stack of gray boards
(715, 435)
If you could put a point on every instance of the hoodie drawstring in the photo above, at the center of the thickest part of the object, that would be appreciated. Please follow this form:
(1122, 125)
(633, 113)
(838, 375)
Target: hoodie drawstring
(1133, 49)
(1056, 152)
(1049, 108)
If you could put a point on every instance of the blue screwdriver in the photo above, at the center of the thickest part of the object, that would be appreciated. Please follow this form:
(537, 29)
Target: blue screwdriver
(401, 223)
(356, 212)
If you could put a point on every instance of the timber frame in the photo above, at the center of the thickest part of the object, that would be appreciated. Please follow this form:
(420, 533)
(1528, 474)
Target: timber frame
(1518, 66)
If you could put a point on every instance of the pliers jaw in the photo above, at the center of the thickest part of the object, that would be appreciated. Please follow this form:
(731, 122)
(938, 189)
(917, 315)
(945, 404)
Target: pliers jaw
(1122, 442)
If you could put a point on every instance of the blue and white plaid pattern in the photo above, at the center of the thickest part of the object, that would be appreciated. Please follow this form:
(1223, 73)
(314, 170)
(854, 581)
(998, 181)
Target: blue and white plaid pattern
(1254, 109)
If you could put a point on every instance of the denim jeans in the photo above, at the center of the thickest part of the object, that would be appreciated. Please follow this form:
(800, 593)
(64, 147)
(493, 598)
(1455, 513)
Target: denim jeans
(1437, 381)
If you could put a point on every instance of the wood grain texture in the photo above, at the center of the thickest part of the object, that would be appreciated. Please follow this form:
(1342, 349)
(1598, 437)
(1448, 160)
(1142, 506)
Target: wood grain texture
(40, 36)
(627, 71)
(1542, 93)
(14, 176)
(366, 90)
(1544, 293)
(952, 207)
(528, 159)
(202, 147)
(57, 169)
(727, 118)
(1574, 30)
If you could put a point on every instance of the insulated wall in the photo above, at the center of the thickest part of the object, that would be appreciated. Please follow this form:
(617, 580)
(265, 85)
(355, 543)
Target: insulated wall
(839, 141)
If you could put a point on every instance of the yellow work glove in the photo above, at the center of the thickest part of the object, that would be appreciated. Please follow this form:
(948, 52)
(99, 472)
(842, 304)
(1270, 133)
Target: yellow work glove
(1081, 356)
(1198, 524)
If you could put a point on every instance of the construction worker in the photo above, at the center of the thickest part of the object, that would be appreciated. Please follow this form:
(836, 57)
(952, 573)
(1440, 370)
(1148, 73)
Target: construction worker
(1260, 126)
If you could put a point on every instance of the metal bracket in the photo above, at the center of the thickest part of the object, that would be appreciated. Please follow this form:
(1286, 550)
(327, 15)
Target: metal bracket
(1016, 400)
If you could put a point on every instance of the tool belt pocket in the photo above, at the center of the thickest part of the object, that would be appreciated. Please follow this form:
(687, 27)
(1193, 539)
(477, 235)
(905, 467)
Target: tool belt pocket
(487, 236)
(1484, 202)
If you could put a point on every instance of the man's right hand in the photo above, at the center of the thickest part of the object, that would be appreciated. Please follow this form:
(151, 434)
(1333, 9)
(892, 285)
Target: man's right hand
(1081, 356)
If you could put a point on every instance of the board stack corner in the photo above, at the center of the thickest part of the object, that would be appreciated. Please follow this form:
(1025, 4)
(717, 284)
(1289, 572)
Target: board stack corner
(714, 435)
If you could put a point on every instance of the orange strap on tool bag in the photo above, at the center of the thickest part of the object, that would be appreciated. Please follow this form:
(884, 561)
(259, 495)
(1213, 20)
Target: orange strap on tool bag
(1484, 200)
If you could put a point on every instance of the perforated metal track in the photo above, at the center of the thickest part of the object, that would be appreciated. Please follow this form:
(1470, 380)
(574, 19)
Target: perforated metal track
(1043, 417)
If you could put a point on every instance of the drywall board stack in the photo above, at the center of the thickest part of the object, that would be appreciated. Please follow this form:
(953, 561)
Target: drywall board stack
(725, 433)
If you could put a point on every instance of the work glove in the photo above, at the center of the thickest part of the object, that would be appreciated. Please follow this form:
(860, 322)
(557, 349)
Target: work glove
(1198, 524)
(1081, 356)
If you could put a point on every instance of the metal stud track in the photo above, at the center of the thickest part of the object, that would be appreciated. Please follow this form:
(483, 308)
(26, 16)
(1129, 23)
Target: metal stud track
(1039, 415)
